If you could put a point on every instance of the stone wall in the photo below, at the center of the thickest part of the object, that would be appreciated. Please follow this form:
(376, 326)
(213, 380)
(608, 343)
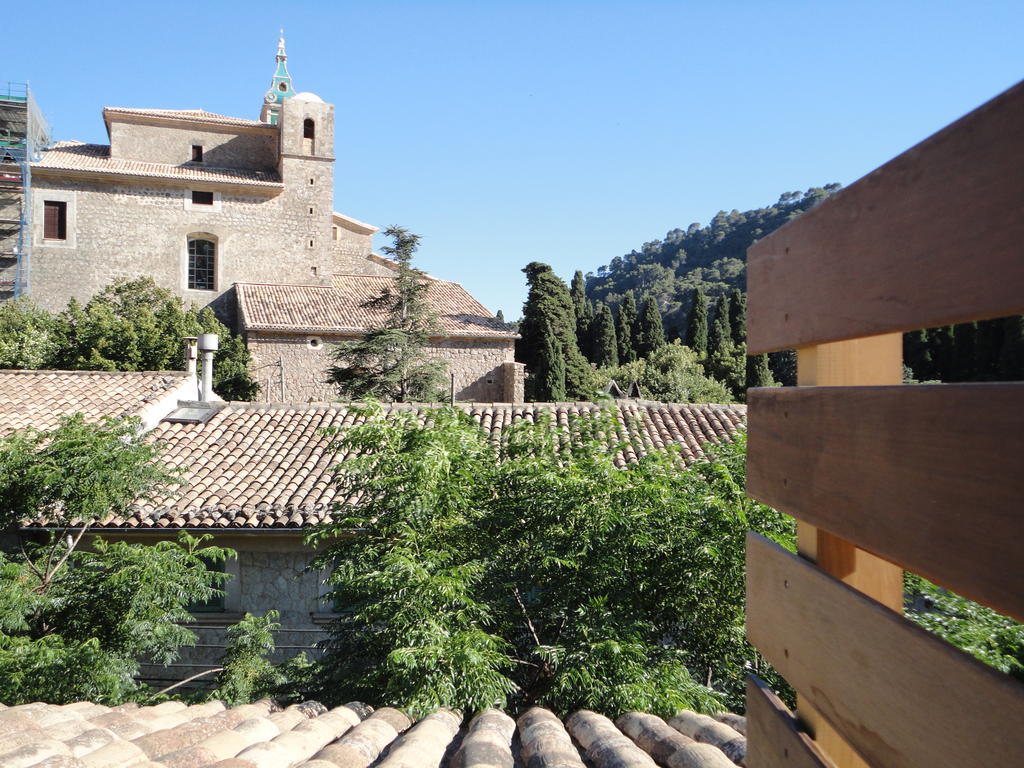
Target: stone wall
(228, 147)
(292, 367)
(269, 574)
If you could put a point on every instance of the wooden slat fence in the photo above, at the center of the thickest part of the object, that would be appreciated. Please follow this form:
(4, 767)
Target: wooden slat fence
(883, 477)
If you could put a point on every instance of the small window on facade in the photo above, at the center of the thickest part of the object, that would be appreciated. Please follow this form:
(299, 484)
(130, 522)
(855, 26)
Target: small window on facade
(202, 262)
(311, 211)
(311, 182)
(282, 87)
(202, 198)
(55, 220)
(334, 233)
(311, 242)
(214, 604)
(197, 153)
(308, 129)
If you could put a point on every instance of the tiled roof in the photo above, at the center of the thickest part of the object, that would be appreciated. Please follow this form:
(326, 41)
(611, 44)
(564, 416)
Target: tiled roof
(308, 735)
(39, 398)
(95, 158)
(269, 466)
(338, 308)
(188, 115)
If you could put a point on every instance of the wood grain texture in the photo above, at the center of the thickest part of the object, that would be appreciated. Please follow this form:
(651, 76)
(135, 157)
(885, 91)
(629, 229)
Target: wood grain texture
(899, 695)
(775, 739)
(932, 237)
(928, 477)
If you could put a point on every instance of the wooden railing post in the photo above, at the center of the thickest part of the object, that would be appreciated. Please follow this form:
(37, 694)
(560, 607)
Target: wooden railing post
(871, 361)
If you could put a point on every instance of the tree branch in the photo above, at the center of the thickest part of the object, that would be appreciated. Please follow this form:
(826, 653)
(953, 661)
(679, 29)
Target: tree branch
(189, 680)
(71, 548)
(529, 623)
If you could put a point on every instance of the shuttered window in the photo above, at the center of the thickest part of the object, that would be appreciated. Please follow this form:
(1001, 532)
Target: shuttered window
(55, 220)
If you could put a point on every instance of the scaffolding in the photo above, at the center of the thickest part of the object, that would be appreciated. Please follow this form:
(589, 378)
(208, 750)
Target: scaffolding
(24, 133)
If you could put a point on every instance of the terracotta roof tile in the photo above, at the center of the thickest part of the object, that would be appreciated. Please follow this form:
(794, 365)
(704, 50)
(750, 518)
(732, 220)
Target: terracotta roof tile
(39, 398)
(338, 308)
(95, 158)
(270, 466)
(307, 735)
(188, 115)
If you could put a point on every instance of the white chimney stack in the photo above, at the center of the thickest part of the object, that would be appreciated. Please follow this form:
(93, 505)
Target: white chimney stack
(208, 344)
(191, 354)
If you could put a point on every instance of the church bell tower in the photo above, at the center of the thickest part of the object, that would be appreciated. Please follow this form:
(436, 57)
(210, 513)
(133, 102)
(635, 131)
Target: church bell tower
(280, 87)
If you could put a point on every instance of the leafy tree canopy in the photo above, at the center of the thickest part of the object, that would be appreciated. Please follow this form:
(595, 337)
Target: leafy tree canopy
(542, 574)
(672, 374)
(131, 325)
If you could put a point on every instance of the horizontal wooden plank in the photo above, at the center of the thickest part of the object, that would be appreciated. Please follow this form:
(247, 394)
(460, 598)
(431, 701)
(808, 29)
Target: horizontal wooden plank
(774, 739)
(900, 696)
(931, 238)
(928, 477)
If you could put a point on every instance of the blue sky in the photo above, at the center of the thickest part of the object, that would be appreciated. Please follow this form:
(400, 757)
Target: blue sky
(564, 132)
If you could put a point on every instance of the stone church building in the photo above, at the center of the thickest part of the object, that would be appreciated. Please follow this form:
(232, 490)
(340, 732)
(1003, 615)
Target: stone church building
(239, 215)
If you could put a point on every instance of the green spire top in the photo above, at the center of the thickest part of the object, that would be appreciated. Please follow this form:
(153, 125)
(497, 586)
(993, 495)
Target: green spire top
(280, 86)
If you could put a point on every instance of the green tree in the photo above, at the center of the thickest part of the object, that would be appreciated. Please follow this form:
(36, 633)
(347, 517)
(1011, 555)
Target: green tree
(672, 374)
(74, 623)
(549, 380)
(606, 353)
(391, 362)
(759, 374)
(135, 325)
(536, 572)
(549, 301)
(583, 311)
(721, 330)
(1011, 353)
(650, 335)
(697, 324)
(499, 316)
(738, 317)
(26, 335)
(626, 324)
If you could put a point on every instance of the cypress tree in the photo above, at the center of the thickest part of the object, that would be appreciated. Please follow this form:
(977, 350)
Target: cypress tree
(585, 330)
(549, 380)
(941, 342)
(624, 328)
(650, 334)
(697, 324)
(964, 340)
(738, 316)
(549, 301)
(499, 316)
(721, 334)
(605, 349)
(759, 373)
(578, 292)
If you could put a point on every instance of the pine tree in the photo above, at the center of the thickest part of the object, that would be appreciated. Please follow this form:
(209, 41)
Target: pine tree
(650, 334)
(624, 328)
(605, 350)
(391, 362)
(759, 374)
(697, 324)
(738, 316)
(549, 380)
(549, 301)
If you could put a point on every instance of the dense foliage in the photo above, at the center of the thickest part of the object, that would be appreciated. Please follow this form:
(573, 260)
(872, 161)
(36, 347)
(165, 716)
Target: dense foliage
(990, 350)
(390, 362)
(543, 574)
(131, 325)
(75, 623)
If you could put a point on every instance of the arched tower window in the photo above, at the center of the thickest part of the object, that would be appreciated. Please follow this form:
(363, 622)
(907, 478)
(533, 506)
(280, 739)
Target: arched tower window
(308, 135)
(202, 264)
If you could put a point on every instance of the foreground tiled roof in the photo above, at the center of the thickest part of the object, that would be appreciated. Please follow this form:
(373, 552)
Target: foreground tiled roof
(307, 735)
(39, 398)
(95, 158)
(187, 115)
(338, 308)
(269, 466)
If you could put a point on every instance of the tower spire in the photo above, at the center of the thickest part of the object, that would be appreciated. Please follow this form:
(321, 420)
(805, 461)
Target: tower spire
(280, 86)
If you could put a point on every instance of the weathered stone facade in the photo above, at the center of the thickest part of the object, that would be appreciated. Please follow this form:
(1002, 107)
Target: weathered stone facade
(293, 368)
(257, 197)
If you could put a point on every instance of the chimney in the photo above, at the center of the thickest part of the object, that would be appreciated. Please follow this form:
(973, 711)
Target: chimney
(208, 344)
(191, 354)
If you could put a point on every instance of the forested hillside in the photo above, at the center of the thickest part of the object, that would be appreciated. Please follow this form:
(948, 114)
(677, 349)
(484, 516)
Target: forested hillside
(713, 258)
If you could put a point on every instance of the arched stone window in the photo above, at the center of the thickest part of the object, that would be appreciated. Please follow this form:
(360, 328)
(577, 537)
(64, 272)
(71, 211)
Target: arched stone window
(202, 264)
(308, 135)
